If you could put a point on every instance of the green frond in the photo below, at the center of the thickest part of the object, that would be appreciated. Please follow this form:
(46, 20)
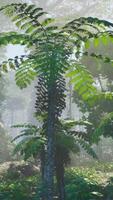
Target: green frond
(70, 126)
(27, 17)
(105, 59)
(67, 142)
(27, 130)
(20, 145)
(29, 147)
(89, 22)
(25, 74)
(31, 140)
(24, 126)
(14, 38)
(87, 147)
(104, 95)
(71, 123)
(104, 38)
(12, 63)
(83, 81)
(105, 128)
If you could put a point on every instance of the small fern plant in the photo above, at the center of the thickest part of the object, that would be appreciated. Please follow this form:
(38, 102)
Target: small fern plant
(55, 52)
(31, 144)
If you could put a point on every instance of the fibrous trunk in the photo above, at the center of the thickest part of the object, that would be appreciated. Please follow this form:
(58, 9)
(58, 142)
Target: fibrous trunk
(60, 181)
(50, 154)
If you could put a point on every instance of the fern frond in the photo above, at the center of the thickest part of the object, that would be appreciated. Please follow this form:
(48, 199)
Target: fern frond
(26, 73)
(67, 142)
(72, 123)
(29, 130)
(24, 126)
(94, 23)
(83, 81)
(105, 128)
(14, 38)
(105, 59)
(26, 68)
(27, 17)
(29, 147)
(12, 63)
(31, 140)
(87, 147)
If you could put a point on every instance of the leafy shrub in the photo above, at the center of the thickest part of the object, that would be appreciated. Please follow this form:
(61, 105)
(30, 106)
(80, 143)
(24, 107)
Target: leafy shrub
(22, 189)
(108, 191)
(83, 184)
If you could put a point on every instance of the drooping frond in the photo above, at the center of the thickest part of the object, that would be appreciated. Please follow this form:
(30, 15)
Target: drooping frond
(83, 81)
(31, 135)
(67, 124)
(87, 147)
(42, 96)
(25, 67)
(26, 73)
(71, 139)
(27, 130)
(101, 57)
(11, 63)
(14, 38)
(105, 127)
(29, 147)
(27, 17)
(66, 142)
(87, 26)
(31, 140)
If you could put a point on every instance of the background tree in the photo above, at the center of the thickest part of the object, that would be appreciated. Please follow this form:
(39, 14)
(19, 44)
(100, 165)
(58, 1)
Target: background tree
(5, 141)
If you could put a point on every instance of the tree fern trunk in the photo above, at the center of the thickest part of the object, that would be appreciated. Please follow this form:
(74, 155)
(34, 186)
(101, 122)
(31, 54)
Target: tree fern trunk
(49, 165)
(60, 181)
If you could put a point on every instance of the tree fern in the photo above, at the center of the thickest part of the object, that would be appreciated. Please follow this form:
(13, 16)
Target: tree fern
(51, 52)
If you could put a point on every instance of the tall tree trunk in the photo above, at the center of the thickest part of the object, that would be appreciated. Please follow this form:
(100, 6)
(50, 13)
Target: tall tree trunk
(42, 167)
(47, 90)
(59, 164)
(60, 180)
(42, 160)
(49, 164)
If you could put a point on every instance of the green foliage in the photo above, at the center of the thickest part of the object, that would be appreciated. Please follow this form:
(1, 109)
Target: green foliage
(105, 127)
(83, 81)
(48, 39)
(31, 141)
(82, 184)
(13, 38)
(24, 188)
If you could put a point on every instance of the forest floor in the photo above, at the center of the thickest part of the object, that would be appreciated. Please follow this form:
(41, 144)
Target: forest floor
(19, 180)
